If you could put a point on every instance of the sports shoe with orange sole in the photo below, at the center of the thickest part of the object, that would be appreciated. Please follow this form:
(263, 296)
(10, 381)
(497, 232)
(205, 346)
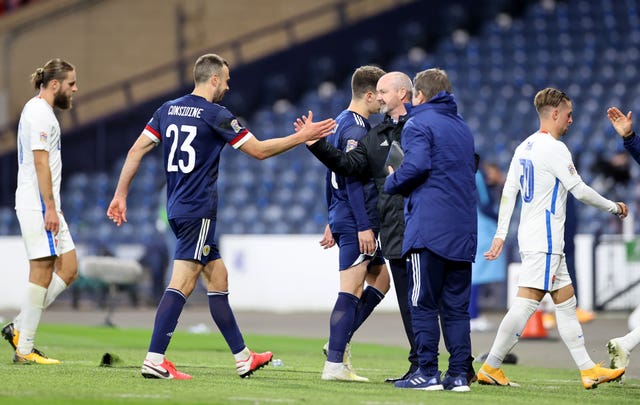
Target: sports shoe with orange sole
(33, 358)
(488, 375)
(598, 375)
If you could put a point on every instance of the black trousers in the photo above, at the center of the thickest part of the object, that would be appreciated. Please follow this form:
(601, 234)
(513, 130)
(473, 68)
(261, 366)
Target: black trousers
(401, 284)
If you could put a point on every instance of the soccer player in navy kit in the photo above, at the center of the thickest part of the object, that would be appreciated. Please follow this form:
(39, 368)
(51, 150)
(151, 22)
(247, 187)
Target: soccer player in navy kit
(353, 224)
(620, 348)
(193, 130)
(368, 160)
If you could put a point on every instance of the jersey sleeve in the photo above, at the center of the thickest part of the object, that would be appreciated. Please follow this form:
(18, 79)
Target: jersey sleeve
(562, 166)
(230, 129)
(351, 137)
(152, 129)
(508, 200)
(349, 164)
(40, 129)
(632, 145)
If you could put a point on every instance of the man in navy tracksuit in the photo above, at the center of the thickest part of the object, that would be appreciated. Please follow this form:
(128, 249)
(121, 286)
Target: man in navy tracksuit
(437, 179)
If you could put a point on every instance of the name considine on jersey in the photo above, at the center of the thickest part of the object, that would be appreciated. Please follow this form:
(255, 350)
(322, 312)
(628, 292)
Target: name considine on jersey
(185, 111)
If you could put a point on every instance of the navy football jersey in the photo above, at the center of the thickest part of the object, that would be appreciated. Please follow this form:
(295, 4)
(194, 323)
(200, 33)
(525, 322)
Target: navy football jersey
(359, 212)
(193, 132)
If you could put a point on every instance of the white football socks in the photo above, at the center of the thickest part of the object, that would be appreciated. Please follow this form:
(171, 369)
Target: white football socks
(510, 329)
(30, 317)
(630, 340)
(571, 333)
(56, 286)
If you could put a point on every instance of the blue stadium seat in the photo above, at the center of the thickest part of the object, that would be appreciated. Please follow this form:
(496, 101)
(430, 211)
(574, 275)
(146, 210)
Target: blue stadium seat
(577, 45)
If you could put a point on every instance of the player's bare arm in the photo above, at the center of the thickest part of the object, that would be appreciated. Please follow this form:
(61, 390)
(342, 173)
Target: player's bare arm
(496, 248)
(308, 131)
(43, 173)
(117, 211)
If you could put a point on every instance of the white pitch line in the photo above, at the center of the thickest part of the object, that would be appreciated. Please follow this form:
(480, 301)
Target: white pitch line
(257, 400)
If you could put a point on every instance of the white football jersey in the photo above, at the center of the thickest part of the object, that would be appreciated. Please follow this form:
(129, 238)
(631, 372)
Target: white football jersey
(542, 170)
(38, 130)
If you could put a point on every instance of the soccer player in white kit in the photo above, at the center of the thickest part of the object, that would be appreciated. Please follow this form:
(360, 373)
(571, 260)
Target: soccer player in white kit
(53, 264)
(542, 171)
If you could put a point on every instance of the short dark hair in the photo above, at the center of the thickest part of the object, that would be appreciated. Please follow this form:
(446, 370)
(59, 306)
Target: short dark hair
(55, 69)
(365, 79)
(549, 97)
(206, 66)
(431, 82)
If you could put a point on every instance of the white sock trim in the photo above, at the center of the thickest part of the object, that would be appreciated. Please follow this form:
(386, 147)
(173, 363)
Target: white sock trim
(242, 354)
(155, 358)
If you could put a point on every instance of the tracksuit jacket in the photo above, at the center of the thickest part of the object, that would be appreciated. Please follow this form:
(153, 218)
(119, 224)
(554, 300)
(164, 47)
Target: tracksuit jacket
(437, 179)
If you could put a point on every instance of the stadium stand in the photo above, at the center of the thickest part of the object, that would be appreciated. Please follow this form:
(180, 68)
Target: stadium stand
(497, 59)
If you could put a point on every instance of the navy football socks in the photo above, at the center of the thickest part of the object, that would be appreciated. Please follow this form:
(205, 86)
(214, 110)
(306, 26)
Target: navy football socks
(169, 310)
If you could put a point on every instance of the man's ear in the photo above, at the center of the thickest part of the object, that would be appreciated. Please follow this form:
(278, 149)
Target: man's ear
(403, 93)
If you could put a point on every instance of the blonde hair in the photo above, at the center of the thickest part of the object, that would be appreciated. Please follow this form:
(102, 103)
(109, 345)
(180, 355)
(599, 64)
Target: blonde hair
(549, 97)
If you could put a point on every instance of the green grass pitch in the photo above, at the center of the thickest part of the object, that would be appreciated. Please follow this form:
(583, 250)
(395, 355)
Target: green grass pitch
(80, 380)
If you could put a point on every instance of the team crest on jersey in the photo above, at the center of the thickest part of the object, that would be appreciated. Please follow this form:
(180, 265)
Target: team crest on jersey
(43, 137)
(235, 125)
(206, 250)
(351, 145)
(572, 169)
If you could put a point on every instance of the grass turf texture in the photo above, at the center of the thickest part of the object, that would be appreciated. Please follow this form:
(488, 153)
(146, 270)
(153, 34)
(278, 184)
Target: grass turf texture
(80, 380)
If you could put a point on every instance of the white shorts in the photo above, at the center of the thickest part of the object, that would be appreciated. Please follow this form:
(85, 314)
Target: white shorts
(40, 243)
(542, 271)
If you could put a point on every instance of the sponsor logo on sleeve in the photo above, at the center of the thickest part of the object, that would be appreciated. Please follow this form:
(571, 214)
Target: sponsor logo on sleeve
(43, 137)
(572, 169)
(235, 125)
(351, 144)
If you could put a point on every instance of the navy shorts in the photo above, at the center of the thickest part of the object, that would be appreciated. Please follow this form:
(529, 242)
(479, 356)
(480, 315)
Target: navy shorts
(350, 251)
(195, 239)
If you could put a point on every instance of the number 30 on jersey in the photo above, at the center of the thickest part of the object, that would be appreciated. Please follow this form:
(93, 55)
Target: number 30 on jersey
(526, 180)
